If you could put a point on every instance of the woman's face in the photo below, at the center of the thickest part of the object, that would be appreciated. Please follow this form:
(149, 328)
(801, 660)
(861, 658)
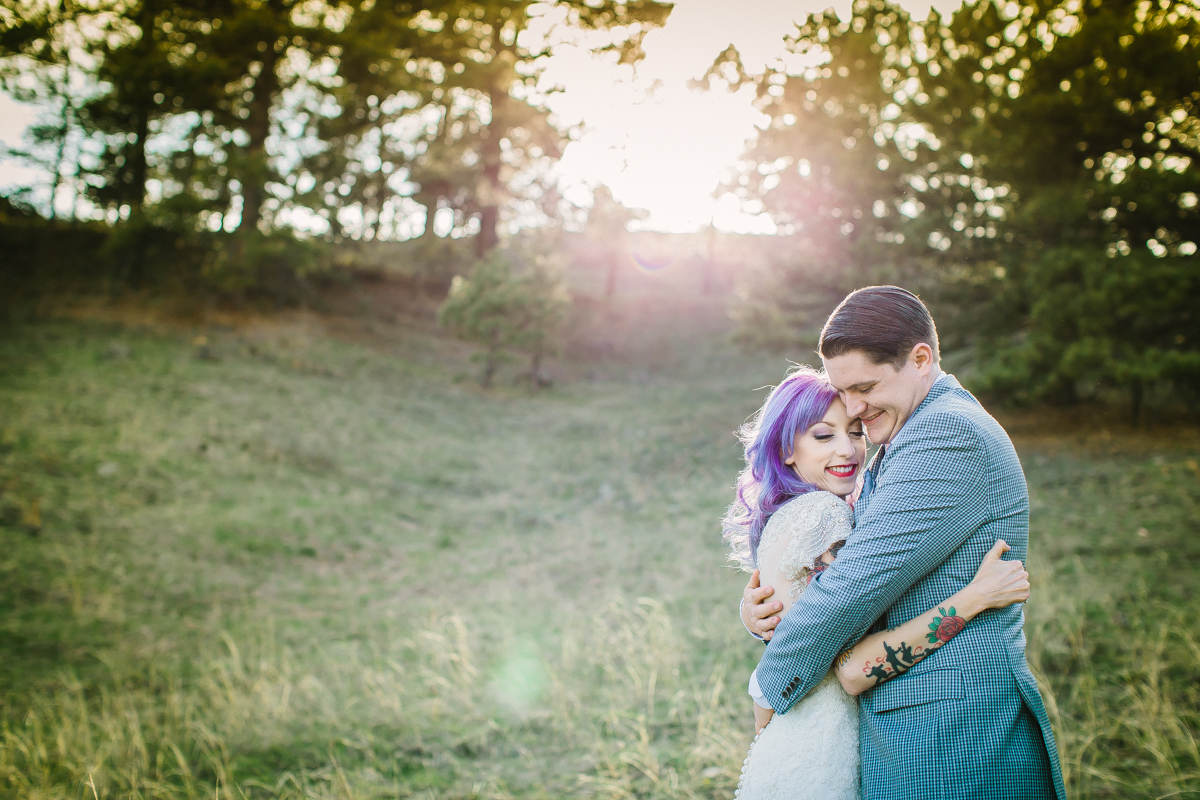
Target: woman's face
(830, 454)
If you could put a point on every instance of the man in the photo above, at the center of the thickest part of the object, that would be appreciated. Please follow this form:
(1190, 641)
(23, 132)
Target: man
(946, 484)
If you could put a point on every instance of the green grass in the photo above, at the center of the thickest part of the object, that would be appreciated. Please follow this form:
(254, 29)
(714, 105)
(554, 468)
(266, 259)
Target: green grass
(291, 564)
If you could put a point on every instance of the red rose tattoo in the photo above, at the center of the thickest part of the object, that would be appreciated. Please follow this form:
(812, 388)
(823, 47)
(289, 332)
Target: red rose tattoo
(945, 627)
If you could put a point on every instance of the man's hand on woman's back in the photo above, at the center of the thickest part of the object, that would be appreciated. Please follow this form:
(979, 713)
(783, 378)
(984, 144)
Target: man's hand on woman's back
(758, 610)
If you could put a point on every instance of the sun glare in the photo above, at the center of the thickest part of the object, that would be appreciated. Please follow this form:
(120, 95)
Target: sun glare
(660, 146)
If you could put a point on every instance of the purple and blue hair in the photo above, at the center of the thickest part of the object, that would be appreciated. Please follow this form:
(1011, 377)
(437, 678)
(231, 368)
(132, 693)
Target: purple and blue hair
(794, 406)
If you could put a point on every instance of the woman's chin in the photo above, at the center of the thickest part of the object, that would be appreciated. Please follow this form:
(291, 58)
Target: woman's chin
(842, 489)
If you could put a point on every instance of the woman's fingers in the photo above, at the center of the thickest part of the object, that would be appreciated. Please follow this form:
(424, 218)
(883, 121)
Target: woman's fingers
(1001, 582)
(998, 549)
(757, 612)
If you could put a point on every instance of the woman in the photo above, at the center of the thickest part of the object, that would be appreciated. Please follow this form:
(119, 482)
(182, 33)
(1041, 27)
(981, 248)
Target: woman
(790, 517)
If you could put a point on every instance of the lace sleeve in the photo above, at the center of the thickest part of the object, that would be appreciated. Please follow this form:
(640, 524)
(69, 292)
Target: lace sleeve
(796, 536)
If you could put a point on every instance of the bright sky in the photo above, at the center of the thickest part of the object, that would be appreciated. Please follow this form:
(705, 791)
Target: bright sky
(658, 145)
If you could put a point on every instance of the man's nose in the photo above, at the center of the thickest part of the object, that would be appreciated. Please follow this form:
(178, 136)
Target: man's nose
(854, 407)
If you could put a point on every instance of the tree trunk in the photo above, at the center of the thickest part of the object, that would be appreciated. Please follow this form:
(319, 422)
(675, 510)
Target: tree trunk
(489, 366)
(258, 128)
(710, 262)
(535, 367)
(137, 167)
(144, 104)
(430, 201)
(60, 158)
(1136, 399)
(489, 214)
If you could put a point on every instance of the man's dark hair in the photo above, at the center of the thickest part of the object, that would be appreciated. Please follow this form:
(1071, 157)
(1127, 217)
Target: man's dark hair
(883, 322)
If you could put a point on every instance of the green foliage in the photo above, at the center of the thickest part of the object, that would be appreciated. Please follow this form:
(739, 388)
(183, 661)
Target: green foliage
(509, 301)
(831, 170)
(344, 116)
(1096, 324)
(42, 258)
(436, 260)
(1029, 169)
(274, 267)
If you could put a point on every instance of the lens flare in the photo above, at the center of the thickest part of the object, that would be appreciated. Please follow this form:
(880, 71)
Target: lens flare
(652, 256)
(520, 679)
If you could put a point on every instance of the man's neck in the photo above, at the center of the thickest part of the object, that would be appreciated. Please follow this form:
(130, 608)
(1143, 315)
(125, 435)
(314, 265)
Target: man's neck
(934, 376)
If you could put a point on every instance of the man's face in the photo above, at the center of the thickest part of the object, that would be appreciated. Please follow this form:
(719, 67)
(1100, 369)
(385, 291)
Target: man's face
(882, 396)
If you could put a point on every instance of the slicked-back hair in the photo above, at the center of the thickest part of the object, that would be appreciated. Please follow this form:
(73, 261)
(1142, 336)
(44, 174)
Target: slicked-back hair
(884, 323)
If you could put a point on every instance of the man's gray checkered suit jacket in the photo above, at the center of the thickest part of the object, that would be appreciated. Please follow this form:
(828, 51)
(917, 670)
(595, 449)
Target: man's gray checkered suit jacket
(967, 722)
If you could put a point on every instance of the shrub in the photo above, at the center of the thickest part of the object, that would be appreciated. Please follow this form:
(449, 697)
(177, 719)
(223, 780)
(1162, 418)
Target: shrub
(509, 301)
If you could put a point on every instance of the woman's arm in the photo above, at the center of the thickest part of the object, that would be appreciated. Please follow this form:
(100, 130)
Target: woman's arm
(882, 656)
(761, 717)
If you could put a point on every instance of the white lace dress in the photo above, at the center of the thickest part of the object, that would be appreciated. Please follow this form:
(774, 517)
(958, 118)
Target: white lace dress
(811, 752)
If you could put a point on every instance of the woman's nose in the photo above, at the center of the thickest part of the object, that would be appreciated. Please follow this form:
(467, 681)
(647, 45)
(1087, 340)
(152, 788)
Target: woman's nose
(845, 447)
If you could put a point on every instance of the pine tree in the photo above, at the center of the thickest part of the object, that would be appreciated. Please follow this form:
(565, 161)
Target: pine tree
(509, 301)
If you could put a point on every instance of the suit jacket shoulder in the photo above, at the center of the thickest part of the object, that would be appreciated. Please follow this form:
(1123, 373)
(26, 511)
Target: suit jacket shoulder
(950, 416)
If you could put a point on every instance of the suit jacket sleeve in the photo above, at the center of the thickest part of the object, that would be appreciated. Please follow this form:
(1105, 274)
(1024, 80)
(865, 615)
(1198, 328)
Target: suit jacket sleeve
(929, 497)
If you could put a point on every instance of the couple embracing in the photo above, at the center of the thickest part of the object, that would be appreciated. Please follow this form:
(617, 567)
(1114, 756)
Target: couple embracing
(888, 594)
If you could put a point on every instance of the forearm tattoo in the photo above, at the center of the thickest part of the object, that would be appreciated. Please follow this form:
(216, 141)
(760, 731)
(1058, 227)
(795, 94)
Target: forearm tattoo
(945, 627)
(901, 658)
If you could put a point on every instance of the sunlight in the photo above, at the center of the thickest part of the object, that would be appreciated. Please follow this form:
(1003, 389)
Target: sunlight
(660, 146)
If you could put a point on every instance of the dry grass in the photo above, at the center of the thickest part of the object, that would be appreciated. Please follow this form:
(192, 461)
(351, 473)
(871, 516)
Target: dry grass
(285, 565)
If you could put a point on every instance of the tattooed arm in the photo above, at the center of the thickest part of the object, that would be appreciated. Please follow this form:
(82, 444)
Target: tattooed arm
(881, 656)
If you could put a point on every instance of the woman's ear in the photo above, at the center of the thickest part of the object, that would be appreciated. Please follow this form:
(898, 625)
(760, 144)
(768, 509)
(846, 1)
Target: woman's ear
(790, 458)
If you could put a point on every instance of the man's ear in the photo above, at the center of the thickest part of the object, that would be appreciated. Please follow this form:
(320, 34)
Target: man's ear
(921, 357)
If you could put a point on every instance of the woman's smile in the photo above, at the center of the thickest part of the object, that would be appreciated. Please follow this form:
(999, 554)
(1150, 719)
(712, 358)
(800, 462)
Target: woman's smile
(842, 470)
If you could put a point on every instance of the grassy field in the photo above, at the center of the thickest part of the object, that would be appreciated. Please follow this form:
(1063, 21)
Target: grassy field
(309, 558)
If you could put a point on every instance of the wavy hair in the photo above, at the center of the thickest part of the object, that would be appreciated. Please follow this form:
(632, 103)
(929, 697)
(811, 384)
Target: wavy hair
(766, 483)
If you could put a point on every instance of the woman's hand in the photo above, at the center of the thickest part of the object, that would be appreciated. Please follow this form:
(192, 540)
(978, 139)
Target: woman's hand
(998, 583)
(758, 612)
(761, 717)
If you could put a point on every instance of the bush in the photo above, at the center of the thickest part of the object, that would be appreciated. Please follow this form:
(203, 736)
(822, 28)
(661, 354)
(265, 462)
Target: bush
(40, 257)
(509, 301)
(165, 252)
(1100, 328)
